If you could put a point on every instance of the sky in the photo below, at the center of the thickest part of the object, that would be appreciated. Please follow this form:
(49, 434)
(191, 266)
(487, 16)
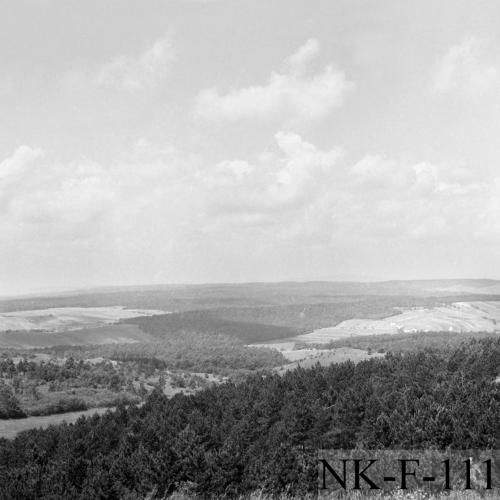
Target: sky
(191, 141)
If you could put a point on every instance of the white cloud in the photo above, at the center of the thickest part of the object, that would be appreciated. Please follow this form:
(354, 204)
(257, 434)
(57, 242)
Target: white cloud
(60, 201)
(298, 61)
(274, 185)
(466, 70)
(131, 73)
(292, 93)
(141, 72)
(150, 184)
(171, 212)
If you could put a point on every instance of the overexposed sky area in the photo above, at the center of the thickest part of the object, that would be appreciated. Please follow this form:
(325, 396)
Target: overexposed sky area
(167, 141)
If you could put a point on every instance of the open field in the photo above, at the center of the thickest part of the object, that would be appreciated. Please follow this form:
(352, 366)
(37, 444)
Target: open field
(58, 319)
(306, 358)
(10, 428)
(109, 334)
(457, 317)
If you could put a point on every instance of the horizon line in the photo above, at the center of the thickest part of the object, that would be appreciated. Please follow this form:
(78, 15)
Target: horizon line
(59, 290)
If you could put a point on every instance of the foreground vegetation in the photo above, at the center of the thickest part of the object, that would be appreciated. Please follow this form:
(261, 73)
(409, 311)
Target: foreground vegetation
(30, 387)
(34, 387)
(71, 378)
(263, 433)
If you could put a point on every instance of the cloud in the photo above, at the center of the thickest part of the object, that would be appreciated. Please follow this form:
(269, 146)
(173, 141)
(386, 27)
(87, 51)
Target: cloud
(466, 70)
(408, 201)
(132, 73)
(298, 61)
(276, 184)
(291, 92)
(161, 214)
(137, 73)
(160, 186)
(38, 196)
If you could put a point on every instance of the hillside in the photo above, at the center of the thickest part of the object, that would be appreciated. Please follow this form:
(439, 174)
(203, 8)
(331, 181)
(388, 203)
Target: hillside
(193, 297)
(263, 434)
(456, 317)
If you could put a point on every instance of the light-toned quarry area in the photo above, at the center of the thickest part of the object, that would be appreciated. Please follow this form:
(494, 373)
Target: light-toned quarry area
(68, 318)
(456, 317)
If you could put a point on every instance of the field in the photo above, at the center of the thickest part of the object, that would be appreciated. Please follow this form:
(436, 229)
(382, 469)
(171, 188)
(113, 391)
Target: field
(58, 319)
(109, 334)
(457, 317)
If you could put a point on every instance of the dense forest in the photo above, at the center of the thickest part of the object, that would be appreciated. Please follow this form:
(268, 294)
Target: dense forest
(263, 433)
(182, 350)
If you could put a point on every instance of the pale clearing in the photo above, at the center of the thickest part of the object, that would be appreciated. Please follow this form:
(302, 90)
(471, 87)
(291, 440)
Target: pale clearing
(120, 333)
(60, 319)
(326, 357)
(11, 427)
(456, 317)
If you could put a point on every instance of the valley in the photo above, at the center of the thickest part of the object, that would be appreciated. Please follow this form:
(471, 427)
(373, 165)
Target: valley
(194, 364)
(78, 352)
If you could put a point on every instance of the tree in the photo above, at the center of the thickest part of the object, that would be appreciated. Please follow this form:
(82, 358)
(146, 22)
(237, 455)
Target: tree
(9, 404)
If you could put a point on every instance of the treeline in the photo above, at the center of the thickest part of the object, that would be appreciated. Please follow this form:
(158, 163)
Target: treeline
(50, 371)
(71, 373)
(183, 350)
(263, 433)
(404, 342)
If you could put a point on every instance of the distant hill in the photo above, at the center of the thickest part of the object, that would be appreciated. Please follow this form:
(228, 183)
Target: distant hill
(210, 296)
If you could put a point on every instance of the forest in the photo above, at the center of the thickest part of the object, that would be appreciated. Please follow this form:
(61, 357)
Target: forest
(263, 433)
(71, 378)
(188, 350)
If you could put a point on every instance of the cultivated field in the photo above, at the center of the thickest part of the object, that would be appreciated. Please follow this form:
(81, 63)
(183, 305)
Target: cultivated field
(109, 334)
(456, 317)
(58, 319)
(71, 326)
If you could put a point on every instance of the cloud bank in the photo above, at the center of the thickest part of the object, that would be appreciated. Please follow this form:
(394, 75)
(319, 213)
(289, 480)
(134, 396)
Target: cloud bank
(175, 209)
(292, 93)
